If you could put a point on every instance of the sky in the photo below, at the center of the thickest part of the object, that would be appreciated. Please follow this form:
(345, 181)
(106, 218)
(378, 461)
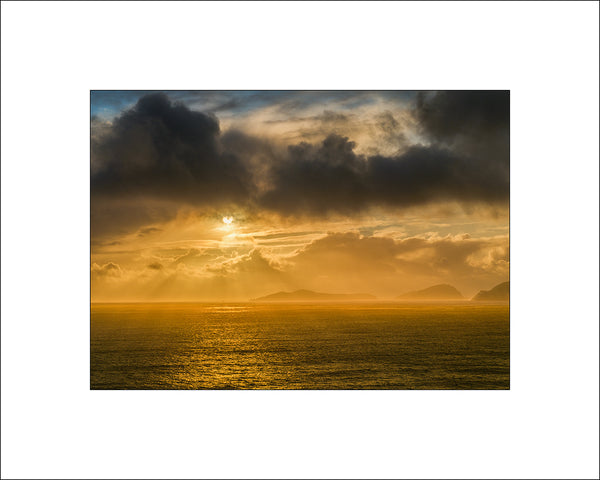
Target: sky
(232, 195)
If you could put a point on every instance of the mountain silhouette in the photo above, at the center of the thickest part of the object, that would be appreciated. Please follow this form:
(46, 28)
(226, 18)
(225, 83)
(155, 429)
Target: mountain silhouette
(307, 295)
(436, 292)
(499, 292)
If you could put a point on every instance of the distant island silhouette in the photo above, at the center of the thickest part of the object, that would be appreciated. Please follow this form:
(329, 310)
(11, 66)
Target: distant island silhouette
(309, 296)
(435, 292)
(498, 293)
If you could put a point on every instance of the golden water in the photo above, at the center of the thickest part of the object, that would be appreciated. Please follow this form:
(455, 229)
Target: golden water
(287, 346)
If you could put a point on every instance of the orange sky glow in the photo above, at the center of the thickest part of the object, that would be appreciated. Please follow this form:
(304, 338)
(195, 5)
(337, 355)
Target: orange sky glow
(228, 196)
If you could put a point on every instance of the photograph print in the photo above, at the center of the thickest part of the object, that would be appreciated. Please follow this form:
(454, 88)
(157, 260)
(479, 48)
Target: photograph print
(320, 240)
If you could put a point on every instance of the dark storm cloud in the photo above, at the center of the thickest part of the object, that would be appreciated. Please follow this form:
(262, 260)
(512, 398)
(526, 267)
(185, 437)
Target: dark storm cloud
(163, 149)
(316, 179)
(331, 177)
(160, 150)
(445, 115)
(473, 124)
(159, 155)
(466, 160)
(238, 143)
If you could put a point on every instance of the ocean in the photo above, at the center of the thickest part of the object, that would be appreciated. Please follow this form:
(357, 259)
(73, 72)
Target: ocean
(366, 345)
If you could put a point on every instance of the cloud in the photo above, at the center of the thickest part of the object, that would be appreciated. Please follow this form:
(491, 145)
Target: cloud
(160, 156)
(337, 262)
(148, 230)
(254, 263)
(325, 118)
(384, 266)
(109, 269)
(331, 177)
(471, 123)
(155, 266)
(448, 114)
(163, 150)
(115, 215)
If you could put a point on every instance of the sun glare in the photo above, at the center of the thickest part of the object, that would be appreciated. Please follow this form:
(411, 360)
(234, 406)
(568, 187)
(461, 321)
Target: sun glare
(227, 220)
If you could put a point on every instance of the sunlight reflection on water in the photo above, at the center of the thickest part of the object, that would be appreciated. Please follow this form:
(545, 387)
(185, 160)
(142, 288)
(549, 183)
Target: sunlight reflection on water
(249, 346)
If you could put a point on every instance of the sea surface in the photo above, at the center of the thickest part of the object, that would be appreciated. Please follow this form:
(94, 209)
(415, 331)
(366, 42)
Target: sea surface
(299, 346)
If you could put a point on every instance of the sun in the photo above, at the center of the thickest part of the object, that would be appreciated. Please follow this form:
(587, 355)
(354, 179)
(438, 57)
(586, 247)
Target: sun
(227, 220)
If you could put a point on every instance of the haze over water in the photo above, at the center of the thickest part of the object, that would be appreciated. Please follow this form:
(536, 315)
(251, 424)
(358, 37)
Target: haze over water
(240, 196)
(370, 345)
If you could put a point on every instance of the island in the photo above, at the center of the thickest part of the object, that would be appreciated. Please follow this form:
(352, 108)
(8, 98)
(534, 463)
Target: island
(500, 292)
(310, 296)
(435, 292)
